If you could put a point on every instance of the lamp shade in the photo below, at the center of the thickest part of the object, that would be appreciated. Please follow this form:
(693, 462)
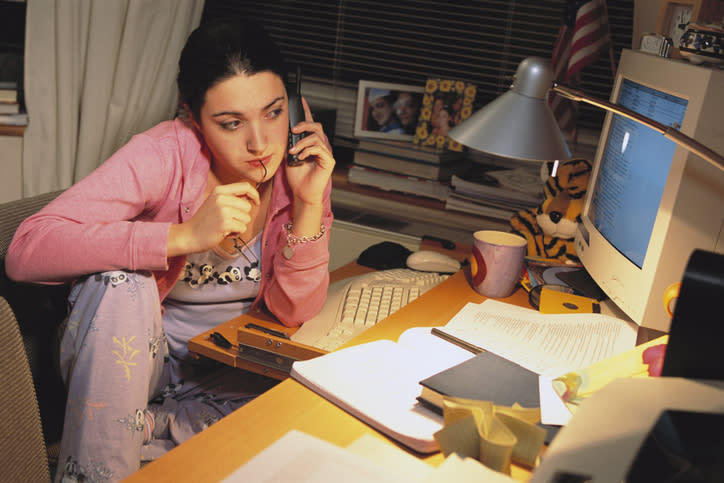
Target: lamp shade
(519, 124)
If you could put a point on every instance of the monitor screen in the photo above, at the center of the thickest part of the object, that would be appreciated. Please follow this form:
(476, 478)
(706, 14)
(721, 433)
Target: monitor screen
(634, 169)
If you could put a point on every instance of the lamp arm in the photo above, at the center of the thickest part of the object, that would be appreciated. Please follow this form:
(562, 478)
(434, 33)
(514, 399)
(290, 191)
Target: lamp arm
(669, 132)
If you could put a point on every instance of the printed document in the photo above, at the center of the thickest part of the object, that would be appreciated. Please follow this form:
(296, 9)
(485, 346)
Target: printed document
(547, 344)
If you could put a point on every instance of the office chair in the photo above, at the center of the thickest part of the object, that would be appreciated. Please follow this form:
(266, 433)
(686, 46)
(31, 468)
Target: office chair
(32, 394)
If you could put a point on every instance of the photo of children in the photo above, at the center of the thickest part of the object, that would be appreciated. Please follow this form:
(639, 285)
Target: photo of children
(445, 104)
(387, 110)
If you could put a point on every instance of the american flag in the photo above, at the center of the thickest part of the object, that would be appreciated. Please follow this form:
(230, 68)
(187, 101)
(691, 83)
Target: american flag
(582, 36)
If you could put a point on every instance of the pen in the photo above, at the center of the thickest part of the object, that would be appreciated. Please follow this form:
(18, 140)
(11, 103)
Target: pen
(458, 342)
(267, 330)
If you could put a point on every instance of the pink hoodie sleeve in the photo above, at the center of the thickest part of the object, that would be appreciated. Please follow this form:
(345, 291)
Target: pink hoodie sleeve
(298, 288)
(103, 222)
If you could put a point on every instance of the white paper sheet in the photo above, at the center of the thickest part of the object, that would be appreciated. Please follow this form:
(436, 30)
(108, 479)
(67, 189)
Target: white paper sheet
(550, 344)
(302, 458)
(378, 382)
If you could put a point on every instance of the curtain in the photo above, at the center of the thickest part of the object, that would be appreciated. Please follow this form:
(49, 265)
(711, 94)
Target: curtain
(96, 72)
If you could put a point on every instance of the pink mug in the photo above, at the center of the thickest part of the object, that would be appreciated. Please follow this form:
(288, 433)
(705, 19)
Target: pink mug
(496, 262)
(671, 294)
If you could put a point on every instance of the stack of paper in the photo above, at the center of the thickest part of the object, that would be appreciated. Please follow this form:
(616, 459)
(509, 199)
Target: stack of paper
(548, 344)
(493, 196)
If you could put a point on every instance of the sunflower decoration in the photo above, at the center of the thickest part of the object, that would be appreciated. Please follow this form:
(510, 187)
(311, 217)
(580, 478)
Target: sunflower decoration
(454, 145)
(421, 131)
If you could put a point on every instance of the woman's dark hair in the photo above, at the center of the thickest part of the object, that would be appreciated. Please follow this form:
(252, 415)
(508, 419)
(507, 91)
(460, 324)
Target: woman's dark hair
(220, 49)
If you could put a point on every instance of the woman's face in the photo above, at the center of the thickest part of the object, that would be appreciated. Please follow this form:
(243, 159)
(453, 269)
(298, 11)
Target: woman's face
(442, 122)
(406, 108)
(245, 123)
(381, 110)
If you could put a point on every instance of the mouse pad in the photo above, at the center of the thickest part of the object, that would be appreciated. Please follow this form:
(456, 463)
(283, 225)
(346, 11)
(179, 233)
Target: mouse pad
(384, 255)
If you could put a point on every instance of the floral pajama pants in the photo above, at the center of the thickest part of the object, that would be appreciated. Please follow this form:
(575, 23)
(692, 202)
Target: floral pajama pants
(129, 400)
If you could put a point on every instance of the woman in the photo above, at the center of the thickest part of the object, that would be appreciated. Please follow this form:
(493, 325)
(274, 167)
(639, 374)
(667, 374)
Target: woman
(443, 120)
(193, 222)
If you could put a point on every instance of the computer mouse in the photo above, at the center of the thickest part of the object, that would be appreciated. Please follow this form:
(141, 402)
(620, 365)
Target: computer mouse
(432, 261)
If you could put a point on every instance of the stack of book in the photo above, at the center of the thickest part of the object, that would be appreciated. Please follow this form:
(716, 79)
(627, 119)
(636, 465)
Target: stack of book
(388, 181)
(10, 109)
(405, 167)
(496, 194)
(445, 175)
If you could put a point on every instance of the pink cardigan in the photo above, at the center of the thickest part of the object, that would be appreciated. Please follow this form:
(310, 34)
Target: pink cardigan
(118, 217)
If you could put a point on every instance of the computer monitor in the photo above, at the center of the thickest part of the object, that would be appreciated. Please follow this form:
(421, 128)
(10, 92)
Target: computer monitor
(651, 203)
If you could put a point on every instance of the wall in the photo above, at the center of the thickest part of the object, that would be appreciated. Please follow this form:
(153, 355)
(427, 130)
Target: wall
(645, 15)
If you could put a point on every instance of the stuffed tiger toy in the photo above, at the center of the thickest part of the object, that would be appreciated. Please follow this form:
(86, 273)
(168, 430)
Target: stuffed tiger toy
(551, 227)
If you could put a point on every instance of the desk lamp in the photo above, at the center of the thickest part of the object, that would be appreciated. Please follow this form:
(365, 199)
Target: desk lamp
(519, 124)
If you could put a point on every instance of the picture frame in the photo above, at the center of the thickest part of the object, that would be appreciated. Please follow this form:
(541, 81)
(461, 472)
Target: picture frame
(675, 15)
(447, 102)
(377, 116)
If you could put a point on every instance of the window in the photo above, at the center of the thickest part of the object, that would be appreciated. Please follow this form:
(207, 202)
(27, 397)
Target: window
(12, 40)
(339, 42)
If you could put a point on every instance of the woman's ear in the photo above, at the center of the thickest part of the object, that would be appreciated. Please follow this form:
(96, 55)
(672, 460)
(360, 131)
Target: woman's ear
(195, 122)
(188, 114)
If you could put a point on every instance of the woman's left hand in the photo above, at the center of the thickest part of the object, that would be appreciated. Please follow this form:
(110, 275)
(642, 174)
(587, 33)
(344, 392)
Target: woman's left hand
(309, 179)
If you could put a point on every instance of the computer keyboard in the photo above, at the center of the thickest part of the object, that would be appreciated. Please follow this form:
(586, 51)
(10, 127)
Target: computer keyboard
(357, 303)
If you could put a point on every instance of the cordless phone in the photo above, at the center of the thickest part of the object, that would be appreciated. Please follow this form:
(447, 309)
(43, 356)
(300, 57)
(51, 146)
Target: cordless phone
(296, 115)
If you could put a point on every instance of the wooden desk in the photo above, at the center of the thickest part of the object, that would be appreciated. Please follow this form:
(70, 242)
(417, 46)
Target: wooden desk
(217, 451)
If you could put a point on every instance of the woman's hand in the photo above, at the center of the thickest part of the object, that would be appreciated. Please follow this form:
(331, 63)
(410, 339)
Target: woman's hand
(309, 179)
(226, 211)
